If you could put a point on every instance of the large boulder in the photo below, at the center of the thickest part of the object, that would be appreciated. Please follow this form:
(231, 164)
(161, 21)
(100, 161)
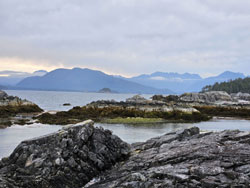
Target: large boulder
(207, 97)
(70, 157)
(185, 159)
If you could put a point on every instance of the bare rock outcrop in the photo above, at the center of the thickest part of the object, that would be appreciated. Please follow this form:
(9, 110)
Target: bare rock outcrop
(185, 159)
(3, 95)
(70, 157)
(207, 97)
(11, 106)
(78, 153)
(241, 96)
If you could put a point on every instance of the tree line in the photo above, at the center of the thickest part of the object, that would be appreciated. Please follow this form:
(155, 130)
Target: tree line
(232, 86)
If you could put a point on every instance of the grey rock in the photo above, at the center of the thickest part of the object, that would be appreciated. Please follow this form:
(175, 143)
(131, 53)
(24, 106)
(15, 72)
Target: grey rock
(58, 161)
(241, 96)
(137, 99)
(207, 97)
(184, 159)
(3, 95)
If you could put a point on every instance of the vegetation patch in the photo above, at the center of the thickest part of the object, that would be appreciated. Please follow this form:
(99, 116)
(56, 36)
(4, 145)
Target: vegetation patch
(9, 111)
(224, 111)
(78, 114)
(233, 86)
(133, 120)
(5, 123)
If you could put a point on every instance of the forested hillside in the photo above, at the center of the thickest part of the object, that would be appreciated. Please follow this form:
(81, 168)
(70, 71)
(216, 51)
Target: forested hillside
(233, 86)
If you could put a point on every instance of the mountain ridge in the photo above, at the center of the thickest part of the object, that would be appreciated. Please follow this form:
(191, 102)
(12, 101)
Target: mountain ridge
(87, 80)
(181, 83)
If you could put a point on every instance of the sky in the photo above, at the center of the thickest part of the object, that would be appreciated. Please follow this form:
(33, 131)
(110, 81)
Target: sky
(126, 37)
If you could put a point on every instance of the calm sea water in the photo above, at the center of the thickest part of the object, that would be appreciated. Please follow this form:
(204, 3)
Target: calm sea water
(11, 137)
(54, 100)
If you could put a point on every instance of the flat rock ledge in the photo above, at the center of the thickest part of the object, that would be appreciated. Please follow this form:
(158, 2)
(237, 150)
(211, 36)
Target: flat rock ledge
(184, 159)
(69, 158)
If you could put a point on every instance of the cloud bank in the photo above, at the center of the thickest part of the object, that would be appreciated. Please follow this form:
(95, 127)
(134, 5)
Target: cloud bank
(126, 37)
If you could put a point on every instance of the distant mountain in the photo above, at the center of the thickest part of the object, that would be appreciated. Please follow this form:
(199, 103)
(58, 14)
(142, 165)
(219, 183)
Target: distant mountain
(85, 80)
(233, 86)
(225, 76)
(40, 73)
(166, 76)
(11, 78)
(181, 83)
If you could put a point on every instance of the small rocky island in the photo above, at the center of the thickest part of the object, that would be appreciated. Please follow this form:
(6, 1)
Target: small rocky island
(189, 107)
(14, 110)
(83, 155)
(106, 90)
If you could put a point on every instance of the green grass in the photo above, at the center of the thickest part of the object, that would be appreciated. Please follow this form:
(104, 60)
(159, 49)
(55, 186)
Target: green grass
(133, 120)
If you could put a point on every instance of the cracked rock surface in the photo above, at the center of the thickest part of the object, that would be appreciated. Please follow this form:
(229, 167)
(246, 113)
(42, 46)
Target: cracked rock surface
(185, 159)
(77, 154)
(70, 157)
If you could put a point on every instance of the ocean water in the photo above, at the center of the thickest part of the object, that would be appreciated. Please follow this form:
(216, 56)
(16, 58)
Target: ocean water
(54, 100)
(48, 100)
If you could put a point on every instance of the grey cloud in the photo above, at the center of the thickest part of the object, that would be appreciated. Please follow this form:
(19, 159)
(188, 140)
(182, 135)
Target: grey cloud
(129, 36)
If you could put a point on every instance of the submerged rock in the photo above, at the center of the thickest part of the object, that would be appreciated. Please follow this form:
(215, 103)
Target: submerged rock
(66, 104)
(184, 159)
(70, 157)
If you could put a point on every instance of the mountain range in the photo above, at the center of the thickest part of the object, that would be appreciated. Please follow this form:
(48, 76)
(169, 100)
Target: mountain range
(11, 78)
(85, 80)
(181, 83)
(88, 80)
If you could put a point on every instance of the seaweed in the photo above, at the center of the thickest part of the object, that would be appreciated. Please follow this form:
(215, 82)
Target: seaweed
(224, 111)
(78, 114)
(9, 110)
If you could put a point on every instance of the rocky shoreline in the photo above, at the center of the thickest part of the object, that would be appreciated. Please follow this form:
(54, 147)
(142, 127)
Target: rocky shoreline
(186, 108)
(76, 154)
(189, 107)
(14, 110)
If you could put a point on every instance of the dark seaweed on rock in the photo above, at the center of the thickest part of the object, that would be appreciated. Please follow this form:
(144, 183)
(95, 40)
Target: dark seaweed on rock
(78, 114)
(7, 111)
(224, 111)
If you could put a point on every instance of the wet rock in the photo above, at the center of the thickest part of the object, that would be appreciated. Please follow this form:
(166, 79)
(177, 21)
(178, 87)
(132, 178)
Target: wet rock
(66, 104)
(70, 157)
(184, 159)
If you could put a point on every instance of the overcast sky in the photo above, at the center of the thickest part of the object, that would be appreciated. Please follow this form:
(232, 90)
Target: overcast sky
(127, 37)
